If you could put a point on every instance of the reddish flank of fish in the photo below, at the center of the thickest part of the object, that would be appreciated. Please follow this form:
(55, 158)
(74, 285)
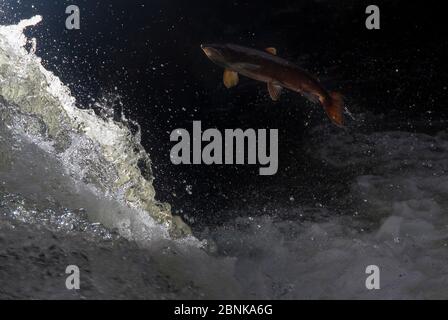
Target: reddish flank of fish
(277, 72)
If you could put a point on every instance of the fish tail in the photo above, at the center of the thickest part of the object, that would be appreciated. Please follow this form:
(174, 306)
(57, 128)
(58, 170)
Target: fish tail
(334, 107)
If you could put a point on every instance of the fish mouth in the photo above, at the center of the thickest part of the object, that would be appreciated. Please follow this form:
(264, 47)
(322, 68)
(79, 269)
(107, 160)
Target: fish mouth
(207, 50)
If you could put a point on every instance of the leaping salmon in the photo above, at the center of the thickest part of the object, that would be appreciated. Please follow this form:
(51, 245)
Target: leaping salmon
(277, 72)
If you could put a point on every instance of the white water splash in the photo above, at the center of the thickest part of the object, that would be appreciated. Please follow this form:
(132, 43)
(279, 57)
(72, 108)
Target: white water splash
(99, 152)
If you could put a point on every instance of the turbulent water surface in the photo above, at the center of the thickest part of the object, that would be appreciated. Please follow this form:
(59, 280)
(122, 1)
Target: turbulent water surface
(72, 192)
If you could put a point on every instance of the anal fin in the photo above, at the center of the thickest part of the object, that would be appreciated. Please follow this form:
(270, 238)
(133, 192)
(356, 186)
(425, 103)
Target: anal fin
(274, 91)
(311, 97)
(230, 78)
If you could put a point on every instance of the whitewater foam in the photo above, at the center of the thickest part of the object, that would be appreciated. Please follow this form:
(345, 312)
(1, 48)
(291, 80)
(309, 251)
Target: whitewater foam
(102, 153)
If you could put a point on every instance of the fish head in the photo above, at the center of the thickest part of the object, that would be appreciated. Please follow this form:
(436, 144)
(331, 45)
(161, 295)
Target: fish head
(218, 53)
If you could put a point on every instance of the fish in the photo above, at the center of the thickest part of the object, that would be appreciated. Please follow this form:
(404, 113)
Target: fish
(278, 73)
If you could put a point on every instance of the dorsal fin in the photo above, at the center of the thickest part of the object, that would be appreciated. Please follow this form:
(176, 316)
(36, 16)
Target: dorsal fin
(271, 50)
(230, 78)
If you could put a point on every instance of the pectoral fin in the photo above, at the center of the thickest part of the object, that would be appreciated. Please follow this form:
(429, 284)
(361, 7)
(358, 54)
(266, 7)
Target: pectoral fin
(274, 91)
(230, 78)
(271, 50)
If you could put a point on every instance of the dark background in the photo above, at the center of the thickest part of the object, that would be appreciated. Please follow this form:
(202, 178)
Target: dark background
(148, 53)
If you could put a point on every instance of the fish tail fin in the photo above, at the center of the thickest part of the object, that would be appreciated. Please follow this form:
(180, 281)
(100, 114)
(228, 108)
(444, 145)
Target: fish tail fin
(334, 108)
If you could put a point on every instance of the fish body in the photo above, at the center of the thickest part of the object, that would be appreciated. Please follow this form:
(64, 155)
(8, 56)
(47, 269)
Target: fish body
(278, 73)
